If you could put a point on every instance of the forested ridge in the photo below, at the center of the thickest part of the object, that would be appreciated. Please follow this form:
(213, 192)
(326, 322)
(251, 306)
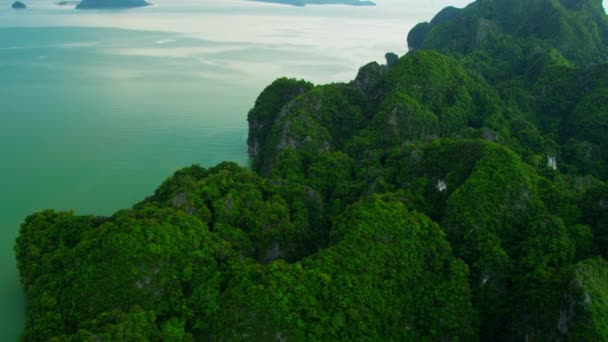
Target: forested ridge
(457, 193)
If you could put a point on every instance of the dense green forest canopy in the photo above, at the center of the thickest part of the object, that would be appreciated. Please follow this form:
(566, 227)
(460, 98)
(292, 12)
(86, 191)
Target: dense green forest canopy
(457, 193)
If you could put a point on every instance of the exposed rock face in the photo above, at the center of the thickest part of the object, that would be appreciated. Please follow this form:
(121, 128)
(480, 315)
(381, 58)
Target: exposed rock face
(297, 130)
(274, 252)
(441, 187)
(179, 200)
(18, 5)
(368, 76)
(316, 121)
(109, 4)
(391, 59)
(604, 203)
(552, 162)
(580, 316)
(407, 121)
(268, 107)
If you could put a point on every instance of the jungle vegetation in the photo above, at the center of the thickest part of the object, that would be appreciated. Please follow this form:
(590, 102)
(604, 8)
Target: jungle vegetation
(457, 193)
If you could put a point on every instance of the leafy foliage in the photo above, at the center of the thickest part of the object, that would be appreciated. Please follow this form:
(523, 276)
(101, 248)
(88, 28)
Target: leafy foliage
(458, 194)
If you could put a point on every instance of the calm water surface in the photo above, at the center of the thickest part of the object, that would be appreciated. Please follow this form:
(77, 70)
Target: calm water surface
(97, 108)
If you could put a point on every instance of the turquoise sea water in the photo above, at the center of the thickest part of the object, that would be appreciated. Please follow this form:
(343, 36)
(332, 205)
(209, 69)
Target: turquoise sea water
(84, 131)
(97, 108)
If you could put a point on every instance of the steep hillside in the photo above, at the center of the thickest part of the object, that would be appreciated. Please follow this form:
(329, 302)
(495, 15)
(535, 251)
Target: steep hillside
(517, 30)
(458, 193)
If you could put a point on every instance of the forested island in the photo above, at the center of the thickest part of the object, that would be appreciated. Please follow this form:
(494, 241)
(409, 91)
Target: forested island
(457, 193)
(109, 4)
(320, 2)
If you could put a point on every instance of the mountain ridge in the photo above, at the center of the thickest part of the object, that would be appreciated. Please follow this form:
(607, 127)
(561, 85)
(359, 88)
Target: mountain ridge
(577, 29)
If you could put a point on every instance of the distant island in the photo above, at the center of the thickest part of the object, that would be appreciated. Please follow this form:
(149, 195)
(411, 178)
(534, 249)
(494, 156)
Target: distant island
(108, 4)
(320, 2)
(18, 5)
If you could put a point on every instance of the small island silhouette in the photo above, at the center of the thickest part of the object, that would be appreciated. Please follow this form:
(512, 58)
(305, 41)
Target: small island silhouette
(18, 5)
(108, 4)
(320, 2)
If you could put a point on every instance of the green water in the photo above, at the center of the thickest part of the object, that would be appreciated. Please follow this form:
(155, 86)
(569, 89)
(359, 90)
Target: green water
(84, 131)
